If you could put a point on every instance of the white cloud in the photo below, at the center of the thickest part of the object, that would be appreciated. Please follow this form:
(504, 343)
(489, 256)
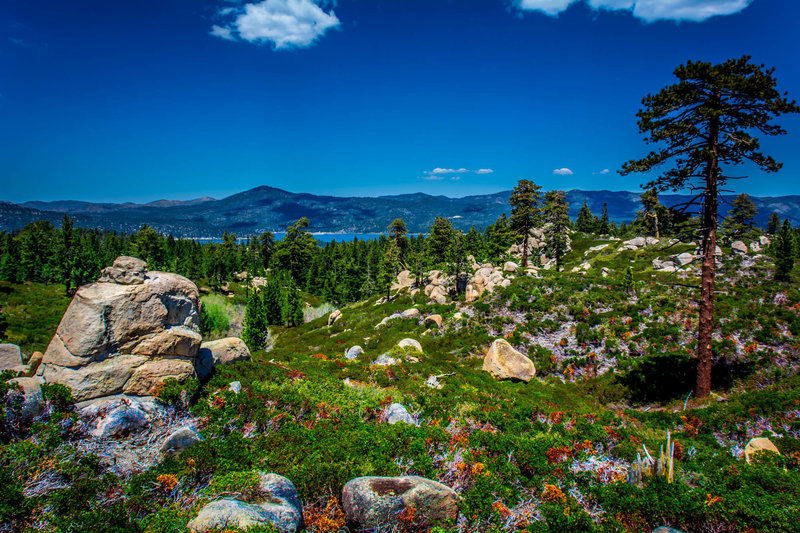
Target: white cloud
(432, 177)
(694, 10)
(605, 171)
(462, 170)
(563, 172)
(455, 178)
(223, 33)
(550, 7)
(647, 10)
(284, 23)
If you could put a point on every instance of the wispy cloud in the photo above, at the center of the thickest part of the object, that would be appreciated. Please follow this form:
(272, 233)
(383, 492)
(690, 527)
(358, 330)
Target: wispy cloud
(563, 172)
(440, 170)
(284, 23)
(432, 177)
(647, 10)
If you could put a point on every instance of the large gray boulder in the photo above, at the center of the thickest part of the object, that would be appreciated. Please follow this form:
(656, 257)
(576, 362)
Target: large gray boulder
(10, 356)
(281, 509)
(179, 440)
(122, 336)
(504, 362)
(370, 502)
(220, 352)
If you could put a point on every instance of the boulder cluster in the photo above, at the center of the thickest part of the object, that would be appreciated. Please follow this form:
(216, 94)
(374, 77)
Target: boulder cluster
(369, 504)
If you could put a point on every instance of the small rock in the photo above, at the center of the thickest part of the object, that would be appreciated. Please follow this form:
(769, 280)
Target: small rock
(410, 343)
(504, 362)
(458, 316)
(385, 360)
(434, 320)
(410, 313)
(755, 246)
(235, 387)
(510, 266)
(738, 247)
(372, 502)
(354, 351)
(125, 271)
(118, 419)
(651, 241)
(398, 413)
(334, 316)
(433, 382)
(10, 356)
(180, 439)
(764, 240)
(683, 259)
(34, 362)
(282, 509)
(636, 242)
(759, 445)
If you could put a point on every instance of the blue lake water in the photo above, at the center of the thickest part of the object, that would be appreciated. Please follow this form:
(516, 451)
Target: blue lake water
(320, 237)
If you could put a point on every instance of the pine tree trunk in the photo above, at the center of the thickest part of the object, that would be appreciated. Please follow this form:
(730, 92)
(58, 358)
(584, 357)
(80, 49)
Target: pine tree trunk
(706, 322)
(525, 248)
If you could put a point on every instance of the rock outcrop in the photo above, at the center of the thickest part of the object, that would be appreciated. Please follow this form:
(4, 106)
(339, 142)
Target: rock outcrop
(220, 352)
(504, 362)
(125, 334)
(334, 316)
(10, 356)
(281, 508)
(370, 502)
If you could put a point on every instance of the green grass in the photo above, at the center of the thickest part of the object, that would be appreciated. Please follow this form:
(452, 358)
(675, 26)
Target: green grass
(33, 311)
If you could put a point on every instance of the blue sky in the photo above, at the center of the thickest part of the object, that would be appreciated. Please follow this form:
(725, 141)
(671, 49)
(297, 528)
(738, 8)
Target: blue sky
(116, 101)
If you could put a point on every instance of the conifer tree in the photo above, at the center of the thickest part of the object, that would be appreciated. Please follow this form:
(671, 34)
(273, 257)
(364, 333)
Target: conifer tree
(585, 221)
(605, 223)
(526, 212)
(739, 222)
(784, 252)
(255, 332)
(457, 258)
(390, 264)
(272, 301)
(556, 225)
(439, 237)
(651, 211)
(294, 304)
(774, 223)
(293, 253)
(498, 237)
(703, 123)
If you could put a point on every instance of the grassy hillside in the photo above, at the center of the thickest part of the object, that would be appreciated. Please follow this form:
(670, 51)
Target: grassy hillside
(614, 370)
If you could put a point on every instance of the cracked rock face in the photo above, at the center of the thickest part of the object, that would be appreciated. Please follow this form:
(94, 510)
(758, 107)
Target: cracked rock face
(120, 335)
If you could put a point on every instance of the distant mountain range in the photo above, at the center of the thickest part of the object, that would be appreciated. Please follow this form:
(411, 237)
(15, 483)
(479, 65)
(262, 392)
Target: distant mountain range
(270, 209)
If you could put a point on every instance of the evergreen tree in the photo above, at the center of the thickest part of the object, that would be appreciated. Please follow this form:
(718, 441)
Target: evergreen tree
(256, 331)
(774, 223)
(272, 302)
(784, 252)
(526, 212)
(556, 225)
(585, 221)
(294, 252)
(390, 264)
(605, 224)
(457, 259)
(9, 268)
(498, 237)
(439, 237)
(653, 214)
(294, 305)
(627, 281)
(473, 243)
(703, 123)
(739, 222)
